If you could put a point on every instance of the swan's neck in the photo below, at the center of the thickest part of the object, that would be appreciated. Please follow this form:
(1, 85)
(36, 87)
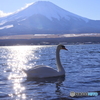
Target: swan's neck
(59, 66)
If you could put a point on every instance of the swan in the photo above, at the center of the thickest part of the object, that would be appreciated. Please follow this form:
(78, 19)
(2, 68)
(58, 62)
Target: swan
(42, 71)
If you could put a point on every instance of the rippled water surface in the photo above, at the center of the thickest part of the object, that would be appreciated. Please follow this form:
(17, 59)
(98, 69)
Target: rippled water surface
(81, 64)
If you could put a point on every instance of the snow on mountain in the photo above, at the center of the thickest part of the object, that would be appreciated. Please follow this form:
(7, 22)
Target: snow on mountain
(45, 17)
(45, 8)
(8, 26)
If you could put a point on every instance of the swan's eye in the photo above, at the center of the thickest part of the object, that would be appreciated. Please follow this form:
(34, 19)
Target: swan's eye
(63, 46)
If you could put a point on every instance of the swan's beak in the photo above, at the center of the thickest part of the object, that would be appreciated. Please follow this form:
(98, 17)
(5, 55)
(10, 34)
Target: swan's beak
(65, 48)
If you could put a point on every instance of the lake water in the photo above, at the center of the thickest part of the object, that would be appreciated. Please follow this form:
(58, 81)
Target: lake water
(81, 64)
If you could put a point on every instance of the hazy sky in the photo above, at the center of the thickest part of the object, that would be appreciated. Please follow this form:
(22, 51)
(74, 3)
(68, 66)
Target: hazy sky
(85, 8)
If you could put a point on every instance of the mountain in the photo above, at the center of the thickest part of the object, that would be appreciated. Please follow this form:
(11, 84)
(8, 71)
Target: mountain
(44, 17)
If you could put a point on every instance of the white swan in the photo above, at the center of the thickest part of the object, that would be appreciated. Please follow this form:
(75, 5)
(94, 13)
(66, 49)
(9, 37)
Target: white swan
(42, 71)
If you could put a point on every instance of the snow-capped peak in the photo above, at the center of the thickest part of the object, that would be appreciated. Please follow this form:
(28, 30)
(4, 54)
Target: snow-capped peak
(49, 10)
(46, 9)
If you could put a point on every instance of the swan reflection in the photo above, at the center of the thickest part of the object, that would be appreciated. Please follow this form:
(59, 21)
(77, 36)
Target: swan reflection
(59, 79)
(55, 80)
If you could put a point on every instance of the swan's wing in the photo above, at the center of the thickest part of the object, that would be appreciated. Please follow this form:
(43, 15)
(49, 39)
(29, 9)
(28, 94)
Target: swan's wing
(39, 66)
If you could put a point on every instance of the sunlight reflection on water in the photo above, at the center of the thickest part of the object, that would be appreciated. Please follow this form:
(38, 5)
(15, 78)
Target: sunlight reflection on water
(19, 56)
(18, 59)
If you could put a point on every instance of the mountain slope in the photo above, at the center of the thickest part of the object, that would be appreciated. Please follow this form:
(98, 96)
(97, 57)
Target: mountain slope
(46, 17)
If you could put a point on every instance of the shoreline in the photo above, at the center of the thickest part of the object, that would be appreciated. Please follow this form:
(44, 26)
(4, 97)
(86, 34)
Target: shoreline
(50, 41)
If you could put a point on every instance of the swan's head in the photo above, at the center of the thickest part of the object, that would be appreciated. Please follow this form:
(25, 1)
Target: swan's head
(60, 46)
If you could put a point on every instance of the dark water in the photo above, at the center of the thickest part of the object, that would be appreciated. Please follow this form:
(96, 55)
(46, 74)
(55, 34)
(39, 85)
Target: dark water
(81, 63)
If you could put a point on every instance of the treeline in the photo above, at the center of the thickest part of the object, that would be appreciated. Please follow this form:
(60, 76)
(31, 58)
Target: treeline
(43, 41)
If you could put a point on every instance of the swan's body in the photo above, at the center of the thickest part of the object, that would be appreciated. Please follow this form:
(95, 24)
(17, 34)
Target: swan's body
(43, 71)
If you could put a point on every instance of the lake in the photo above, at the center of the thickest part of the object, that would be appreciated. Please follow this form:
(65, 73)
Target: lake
(81, 64)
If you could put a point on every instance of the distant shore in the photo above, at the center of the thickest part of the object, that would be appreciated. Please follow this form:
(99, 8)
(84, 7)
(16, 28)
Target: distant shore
(50, 39)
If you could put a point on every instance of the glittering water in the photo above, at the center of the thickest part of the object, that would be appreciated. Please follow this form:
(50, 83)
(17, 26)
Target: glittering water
(81, 63)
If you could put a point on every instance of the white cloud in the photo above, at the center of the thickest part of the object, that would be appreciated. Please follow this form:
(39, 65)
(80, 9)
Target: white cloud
(2, 14)
(27, 5)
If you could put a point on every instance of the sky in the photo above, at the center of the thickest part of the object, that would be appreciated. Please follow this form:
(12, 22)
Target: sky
(85, 8)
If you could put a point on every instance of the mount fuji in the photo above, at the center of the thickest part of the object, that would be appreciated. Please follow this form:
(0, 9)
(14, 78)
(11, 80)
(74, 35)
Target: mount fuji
(44, 17)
